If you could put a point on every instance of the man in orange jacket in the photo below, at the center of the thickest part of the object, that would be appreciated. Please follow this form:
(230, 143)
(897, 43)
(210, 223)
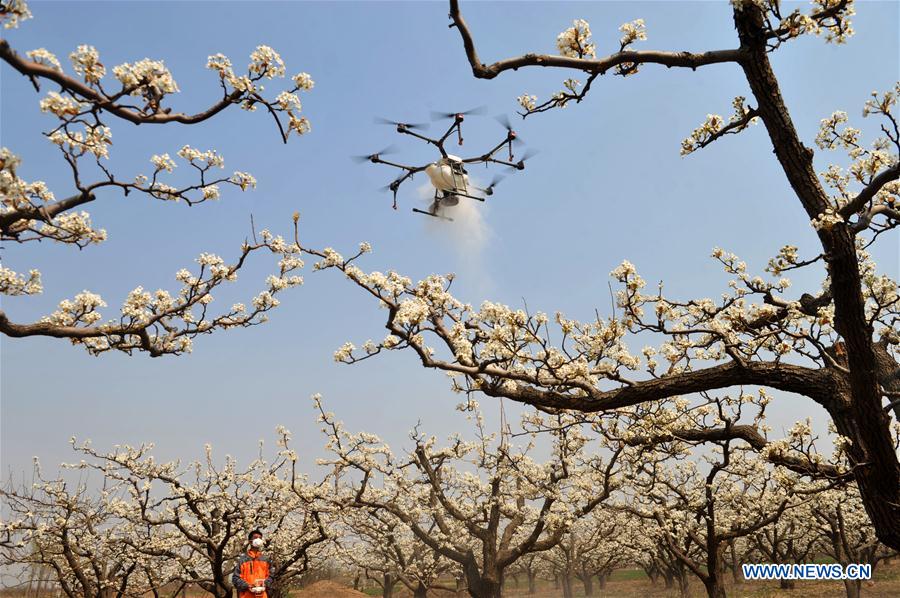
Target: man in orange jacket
(253, 571)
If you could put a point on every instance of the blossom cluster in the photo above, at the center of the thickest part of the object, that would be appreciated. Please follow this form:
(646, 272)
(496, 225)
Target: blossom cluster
(13, 283)
(865, 165)
(20, 196)
(575, 42)
(715, 126)
(12, 12)
(266, 63)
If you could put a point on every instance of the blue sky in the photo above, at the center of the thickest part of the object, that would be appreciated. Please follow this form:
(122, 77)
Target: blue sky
(609, 184)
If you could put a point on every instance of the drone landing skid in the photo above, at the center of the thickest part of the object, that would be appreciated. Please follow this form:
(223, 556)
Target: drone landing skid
(418, 211)
(469, 196)
(450, 198)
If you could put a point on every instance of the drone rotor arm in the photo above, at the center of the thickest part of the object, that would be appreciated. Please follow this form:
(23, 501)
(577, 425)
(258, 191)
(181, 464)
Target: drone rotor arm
(502, 162)
(420, 136)
(394, 185)
(454, 127)
(410, 169)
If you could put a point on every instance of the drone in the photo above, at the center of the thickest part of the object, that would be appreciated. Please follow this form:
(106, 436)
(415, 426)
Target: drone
(448, 174)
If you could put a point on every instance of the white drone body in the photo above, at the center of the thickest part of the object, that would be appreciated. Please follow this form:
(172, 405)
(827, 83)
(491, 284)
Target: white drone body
(448, 176)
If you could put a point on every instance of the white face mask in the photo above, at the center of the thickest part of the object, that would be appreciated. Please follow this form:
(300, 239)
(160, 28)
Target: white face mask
(257, 543)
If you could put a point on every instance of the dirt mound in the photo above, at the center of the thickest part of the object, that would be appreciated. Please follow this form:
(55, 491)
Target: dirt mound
(328, 589)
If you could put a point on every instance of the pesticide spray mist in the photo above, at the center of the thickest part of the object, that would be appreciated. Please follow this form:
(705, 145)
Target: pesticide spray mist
(468, 236)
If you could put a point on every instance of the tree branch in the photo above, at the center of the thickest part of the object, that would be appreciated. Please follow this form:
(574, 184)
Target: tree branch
(815, 384)
(33, 69)
(751, 436)
(599, 65)
(866, 195)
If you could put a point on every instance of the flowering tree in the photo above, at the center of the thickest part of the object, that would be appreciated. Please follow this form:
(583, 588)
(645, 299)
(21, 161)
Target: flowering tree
(155, 526)
(378, 543)
(700, 512)
(790, 539)
(837, 346)
(650, 551)
(157, 322)
(594, 547)
(479, 504)
(533, 565)
(68, 535)
(839, 520)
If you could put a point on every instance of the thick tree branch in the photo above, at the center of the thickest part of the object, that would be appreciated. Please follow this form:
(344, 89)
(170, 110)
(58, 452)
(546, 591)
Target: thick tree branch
(757, 441)
(599, 65)
(816, 384)
(866, 195)
(45, 213)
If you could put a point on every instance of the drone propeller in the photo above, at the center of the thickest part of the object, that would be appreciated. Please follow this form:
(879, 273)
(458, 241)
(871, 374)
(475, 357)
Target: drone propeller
(445, 115)
(529, 154)
(393, 186)
(511, 134)
(489, 190)
(391, 149)
(384, 121)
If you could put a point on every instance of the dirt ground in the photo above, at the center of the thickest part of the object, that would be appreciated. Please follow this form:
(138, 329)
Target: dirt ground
(327, 589)
(885, 585)
(627, 584)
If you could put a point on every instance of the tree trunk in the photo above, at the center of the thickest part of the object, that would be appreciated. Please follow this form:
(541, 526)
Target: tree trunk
(602, 579)
(485, 588)
(483, 585)
(683, 585)
(532, 582)
(222, 592)
(669, 579)
(588, 583)
(786, 584)
(387, 588)
(714, 587)
(421, 591)
(735, 565)
(852, 587)
(855, 405)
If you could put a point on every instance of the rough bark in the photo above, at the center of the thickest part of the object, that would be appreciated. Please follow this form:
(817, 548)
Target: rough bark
(852, 588)
(588, 583)
(856, 410)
